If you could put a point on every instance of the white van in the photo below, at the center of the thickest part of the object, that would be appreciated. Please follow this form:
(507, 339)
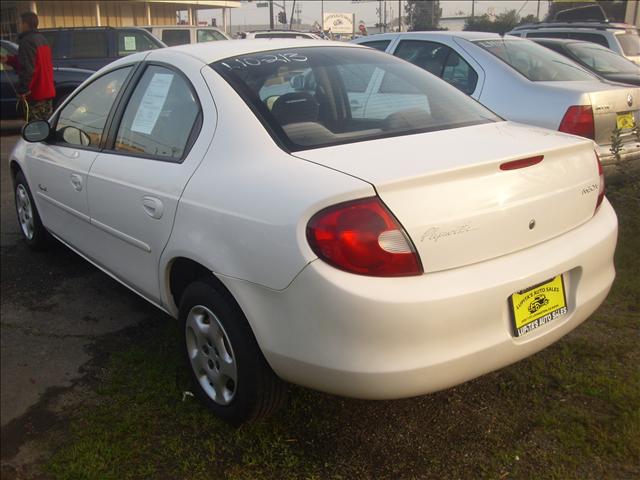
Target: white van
(185, 34)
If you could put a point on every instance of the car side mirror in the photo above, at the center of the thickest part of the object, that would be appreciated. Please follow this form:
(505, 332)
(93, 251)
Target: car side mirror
(36, 131)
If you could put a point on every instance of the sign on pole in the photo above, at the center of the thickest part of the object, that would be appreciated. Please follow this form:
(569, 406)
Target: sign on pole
(339, 22)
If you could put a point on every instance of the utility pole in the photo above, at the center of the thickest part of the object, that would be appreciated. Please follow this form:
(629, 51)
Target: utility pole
(271, 14)
(385, 16)
(380, 14)
(538, 12)
(293, 9)
(473, 8)
(322, 16)
(399, 15)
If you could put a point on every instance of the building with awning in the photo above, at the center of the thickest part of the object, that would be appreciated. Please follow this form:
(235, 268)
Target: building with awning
(53, 13)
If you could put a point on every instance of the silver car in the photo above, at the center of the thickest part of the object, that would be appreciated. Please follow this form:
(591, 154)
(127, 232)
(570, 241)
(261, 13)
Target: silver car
(525, 82)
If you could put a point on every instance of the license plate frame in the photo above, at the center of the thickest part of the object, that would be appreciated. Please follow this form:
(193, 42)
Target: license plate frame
(537, 305)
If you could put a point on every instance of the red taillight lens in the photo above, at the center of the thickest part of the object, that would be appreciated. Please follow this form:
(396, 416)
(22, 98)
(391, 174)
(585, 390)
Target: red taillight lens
(601, 187)
(362, 236)
(579, 121)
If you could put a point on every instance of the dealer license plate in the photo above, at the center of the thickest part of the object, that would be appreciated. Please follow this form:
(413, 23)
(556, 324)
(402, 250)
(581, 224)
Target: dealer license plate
(625, 121)
(538, 305)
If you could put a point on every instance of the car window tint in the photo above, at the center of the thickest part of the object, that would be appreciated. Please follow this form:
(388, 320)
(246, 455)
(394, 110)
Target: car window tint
(209, 36)
(52, 39)
(82, 120)
(312, 97)
(533, 61)
(378, 44)
(429, 56)
(88, 44)
(590, 37)
(176, 37)
(160, 115)
(132, 41)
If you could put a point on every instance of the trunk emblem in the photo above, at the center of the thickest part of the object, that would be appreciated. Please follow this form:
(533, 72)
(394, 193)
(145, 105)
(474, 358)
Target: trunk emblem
(629, 100)
(532, 224)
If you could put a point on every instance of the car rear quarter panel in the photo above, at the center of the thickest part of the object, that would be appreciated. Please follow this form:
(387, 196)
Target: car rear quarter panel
(244, 211)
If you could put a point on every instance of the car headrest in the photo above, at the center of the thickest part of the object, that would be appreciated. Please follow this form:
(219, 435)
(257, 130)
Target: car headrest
(295, 107)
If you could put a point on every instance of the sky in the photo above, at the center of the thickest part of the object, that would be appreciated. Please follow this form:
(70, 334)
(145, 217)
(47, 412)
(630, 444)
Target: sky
(365, 10)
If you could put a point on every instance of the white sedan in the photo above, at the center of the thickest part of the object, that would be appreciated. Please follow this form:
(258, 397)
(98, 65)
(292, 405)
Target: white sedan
(377, 254)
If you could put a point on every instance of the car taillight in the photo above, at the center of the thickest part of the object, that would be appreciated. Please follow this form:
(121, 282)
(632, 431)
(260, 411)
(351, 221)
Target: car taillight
(578, 120)
(363, 236)
(601, 186)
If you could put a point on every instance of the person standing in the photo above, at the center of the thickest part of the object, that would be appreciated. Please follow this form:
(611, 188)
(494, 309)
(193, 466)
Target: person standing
(34, 67)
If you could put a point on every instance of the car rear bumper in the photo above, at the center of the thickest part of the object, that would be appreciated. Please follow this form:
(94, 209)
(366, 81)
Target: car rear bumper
(398, 337)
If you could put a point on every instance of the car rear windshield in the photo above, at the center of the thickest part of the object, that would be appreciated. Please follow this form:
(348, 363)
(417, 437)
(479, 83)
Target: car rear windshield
(601, 59)
(630, 43)
(535, 62)
(319, 96)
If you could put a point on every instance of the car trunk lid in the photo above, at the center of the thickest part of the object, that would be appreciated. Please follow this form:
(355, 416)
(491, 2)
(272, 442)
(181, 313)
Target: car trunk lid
(457, 205)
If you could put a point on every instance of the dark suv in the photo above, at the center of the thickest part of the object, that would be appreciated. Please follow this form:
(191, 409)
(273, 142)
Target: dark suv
(94, 47)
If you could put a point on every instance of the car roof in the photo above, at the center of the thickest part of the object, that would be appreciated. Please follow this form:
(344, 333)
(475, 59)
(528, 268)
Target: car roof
(181, 26)
(210, 52)
(575, 25)
(446, 33)
(90, 28)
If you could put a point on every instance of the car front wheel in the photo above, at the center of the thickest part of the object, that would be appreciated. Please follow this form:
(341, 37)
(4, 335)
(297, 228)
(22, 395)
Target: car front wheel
(229, 372)
(33, 232)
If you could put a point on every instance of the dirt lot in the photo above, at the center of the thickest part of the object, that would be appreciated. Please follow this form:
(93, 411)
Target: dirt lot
(92, 387)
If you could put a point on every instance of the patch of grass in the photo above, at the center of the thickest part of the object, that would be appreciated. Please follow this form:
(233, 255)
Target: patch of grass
(571, 411)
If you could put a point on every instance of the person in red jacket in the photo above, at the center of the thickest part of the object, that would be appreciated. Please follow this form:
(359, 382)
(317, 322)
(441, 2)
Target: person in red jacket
(35, 69)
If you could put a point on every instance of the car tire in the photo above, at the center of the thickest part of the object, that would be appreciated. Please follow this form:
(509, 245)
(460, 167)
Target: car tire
(228, 370)
(35, 235)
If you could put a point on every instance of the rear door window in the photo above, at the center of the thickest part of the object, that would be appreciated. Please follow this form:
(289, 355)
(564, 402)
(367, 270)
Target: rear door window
(590, 37)
(209, 36)
(440, 60)
(176, 36)
(377, 44)
(132, 41)
(89, 44)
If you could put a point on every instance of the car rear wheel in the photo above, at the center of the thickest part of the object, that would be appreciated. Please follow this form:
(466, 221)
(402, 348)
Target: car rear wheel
(229, 373)
(33, 232)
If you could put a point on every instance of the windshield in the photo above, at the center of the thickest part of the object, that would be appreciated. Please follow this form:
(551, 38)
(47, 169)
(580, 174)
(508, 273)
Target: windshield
(535, 62)
(601, 59)
(630, 43)
(319, 96)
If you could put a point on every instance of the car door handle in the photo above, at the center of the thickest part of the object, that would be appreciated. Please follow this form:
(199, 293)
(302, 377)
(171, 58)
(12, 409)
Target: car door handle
(153, 207)
(76, 181)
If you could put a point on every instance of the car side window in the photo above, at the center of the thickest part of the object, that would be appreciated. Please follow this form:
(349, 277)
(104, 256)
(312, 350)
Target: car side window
(440, 60)
(176, 36)
(548, 35)
(209, 36)
(590, 37)
(88, 44)
(377, 44)
(81, 122)
(459, 73)
(132, 41)
(159, 117)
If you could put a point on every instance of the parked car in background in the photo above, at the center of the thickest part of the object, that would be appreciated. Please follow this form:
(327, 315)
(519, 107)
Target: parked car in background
(278, 34)
(384, 255)
(94, 47)
(619, 37)
(172, 35)
(600, 60)
(525, 82)
(65, 80)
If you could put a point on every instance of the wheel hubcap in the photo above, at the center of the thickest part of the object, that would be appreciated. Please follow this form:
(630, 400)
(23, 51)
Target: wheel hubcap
(25, 211)
(212, 358)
